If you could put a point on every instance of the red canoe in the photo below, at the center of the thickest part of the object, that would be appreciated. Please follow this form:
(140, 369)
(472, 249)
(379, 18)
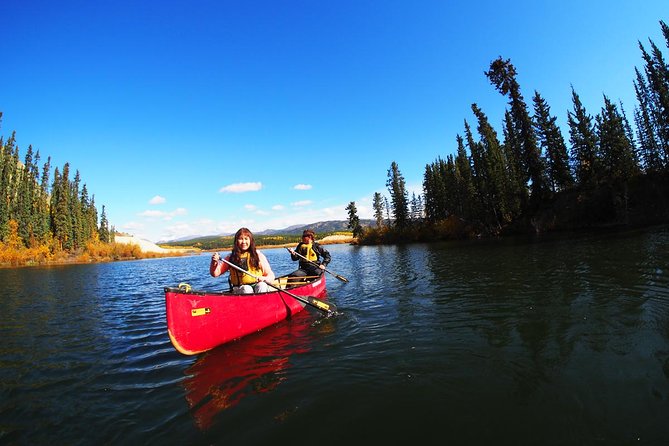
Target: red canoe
(198, 321)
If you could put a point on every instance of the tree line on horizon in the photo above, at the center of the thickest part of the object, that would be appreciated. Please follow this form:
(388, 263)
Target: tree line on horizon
(489, 185)
(47, 216)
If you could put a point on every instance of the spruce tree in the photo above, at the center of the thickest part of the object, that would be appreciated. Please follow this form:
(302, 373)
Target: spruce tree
(646, 118)
(398, 196)
(502, 75)
(353, 219)
(655, 91)
(481, 199)
(618, 156)
(60, 209)
(92, 215)
(45, 234)
(24, 198)
(76, 213)
(465, 191)
(377, 205)
(430, 186)
(416, 208)
(494, 165)
(583, 143)
(553, 145)
(435, 186)
(36, 204)
(88, 227)
(104, 227)
(518, 191)
(447, 187)
(10, 162)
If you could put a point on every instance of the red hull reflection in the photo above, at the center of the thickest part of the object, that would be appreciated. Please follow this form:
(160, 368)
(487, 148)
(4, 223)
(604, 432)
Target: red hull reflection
(222, 377)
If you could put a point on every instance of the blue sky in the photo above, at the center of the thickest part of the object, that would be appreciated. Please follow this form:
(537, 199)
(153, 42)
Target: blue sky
(198, 117)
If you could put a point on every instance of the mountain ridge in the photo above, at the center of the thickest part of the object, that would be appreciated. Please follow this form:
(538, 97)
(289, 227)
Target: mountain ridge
(318, 227)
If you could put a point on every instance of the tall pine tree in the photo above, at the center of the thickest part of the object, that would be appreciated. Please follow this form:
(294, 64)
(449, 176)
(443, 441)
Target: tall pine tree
(618, 155)
(502, 74)
(583, 143)
(398, 195)
(553, 145)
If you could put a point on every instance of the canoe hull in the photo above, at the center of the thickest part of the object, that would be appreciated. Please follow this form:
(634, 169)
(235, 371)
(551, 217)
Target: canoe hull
(198, 321)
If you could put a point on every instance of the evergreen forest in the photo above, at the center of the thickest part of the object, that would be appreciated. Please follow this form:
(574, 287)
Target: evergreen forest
(45, 219)
(608, 172)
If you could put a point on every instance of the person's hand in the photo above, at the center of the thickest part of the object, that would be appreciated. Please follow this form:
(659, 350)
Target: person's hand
(321, 266)
(292, 251)
(216, 257)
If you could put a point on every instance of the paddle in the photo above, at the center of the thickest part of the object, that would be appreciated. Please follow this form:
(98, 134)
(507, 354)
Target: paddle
(325, 307)
(342, 278)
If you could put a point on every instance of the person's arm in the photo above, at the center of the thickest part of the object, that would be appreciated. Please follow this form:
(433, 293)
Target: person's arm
(325, 254)
(268, 274)
(216, 267)
(294, 257)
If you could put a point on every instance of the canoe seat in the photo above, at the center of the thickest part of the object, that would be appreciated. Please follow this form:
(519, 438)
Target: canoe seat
(290, 282)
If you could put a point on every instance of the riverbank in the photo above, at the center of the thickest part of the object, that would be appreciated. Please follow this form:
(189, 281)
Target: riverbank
(148, 246)
(329, 240)
(126, 248)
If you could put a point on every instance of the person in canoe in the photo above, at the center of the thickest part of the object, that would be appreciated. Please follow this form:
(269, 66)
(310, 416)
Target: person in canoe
(245, 256)
(312, 256)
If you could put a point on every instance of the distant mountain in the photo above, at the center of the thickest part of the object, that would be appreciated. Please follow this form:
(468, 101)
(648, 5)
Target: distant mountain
(320, 227)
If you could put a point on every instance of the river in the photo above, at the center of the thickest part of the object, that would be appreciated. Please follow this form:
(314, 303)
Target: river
(545, 341)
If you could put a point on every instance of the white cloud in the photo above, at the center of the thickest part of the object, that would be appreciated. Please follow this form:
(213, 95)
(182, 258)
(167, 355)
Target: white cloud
(302, 187)
(299, 204)
(238, 188)
(255, 209)
(203, 226)
(152, 214)
(162, 214)
(132, 226)
(330, 212)
(278, 207)
(157, 200)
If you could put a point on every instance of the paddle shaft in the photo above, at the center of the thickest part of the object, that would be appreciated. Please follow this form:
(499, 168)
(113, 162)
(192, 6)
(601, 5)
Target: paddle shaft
(342, 278)
(309, 300)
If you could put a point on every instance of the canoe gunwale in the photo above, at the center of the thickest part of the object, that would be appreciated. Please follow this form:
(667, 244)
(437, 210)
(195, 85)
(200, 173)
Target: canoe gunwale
(291, 288)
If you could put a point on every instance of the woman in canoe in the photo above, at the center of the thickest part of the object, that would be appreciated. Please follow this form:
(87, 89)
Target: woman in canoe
(245, 256)
(312, 256)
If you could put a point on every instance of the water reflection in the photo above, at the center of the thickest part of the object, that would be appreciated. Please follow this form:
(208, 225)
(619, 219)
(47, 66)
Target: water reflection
(255, 364)
(546, 307)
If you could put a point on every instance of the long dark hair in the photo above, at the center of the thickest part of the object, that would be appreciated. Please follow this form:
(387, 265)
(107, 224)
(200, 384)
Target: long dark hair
(254, 260)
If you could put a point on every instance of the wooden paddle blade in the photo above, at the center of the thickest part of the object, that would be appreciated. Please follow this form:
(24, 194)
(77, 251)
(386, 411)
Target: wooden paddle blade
(342, 278)
(321, 305)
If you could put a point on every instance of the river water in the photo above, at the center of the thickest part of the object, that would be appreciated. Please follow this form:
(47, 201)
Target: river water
(561, 340)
